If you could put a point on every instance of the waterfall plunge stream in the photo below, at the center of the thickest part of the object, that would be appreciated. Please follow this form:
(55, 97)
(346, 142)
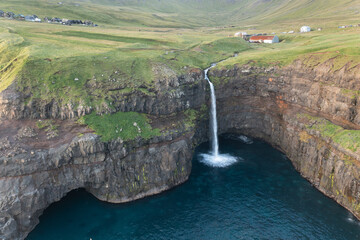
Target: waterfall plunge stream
(213, 119)
(215, 159)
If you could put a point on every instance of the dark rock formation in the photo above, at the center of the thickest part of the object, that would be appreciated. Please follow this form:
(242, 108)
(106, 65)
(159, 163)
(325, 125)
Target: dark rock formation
(269, 104)
(115, 172)
(170, 94)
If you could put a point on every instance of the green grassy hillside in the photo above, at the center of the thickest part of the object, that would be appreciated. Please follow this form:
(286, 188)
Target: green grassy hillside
(189, 13)
(93, 66)
(79, 64)
(46, 58)
(340, 45)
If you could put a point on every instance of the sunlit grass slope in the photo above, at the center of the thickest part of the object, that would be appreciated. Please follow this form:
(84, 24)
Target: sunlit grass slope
(89, 65)
(314, 48)
(190, 13)
(93, 66)
(79, 64)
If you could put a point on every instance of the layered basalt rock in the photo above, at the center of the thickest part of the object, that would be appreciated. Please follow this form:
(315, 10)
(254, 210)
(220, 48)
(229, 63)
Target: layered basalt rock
(169, 94)
(33, 178)
(36, 171)
(276, 104)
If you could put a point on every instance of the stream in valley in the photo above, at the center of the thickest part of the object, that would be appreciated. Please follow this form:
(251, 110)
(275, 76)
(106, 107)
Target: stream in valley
(260, 196)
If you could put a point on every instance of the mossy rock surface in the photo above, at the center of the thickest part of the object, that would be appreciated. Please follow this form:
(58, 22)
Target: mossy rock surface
(124, 125)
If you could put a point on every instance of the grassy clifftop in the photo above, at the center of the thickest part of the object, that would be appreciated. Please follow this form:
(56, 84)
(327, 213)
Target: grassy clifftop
(79, 64)
(341, 46)
(90, 65)
(82, 64)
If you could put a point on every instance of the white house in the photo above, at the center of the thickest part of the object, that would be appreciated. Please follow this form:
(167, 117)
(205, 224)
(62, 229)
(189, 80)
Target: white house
(304, 29)
(240, 34)
(264, 39)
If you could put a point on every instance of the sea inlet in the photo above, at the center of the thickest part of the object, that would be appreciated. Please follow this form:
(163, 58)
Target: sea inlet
(259, 196)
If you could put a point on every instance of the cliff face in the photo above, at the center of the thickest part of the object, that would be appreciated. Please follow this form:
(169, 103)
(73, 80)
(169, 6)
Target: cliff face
(286, 107)
(36, 171)
(114, 172)
(169, 94)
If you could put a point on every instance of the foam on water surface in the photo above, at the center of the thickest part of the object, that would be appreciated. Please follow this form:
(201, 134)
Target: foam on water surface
(221, 160)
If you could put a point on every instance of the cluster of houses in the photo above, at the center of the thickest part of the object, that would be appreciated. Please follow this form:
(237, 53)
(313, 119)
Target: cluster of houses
(34, 18)
(349, 26)
(265, 38)
(11, 15)
(69, 22)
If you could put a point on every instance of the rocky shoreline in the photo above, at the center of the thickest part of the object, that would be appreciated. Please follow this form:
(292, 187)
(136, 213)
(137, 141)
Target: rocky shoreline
(267, 103)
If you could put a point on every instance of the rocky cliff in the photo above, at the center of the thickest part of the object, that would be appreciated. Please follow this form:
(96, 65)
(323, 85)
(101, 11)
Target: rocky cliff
(312, 115)
(170, 93)
(37, 170)
(309, 114)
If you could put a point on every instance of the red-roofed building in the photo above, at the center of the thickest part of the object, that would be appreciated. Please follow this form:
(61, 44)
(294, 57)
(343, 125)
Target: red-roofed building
(264, 39)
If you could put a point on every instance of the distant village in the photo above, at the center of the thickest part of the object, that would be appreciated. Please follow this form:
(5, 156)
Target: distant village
(34, 18)
(265, 38)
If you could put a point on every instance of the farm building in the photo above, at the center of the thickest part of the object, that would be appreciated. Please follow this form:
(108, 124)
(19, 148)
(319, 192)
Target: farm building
(264, 39)
(304, 29)
(246, 37)
(240, 34)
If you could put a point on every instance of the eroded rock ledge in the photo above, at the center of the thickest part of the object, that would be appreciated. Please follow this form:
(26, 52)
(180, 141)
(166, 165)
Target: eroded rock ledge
(273, 104)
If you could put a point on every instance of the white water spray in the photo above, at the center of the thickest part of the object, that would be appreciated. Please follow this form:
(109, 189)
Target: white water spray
(215, 159)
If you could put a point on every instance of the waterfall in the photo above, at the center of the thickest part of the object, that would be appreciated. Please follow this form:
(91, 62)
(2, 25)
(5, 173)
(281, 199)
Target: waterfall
(215, 159)
(213, 120)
